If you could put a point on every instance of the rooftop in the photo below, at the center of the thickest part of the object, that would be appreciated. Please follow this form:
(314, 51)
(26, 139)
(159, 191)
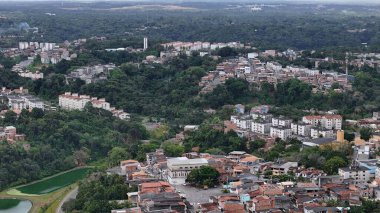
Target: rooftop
(186, 161)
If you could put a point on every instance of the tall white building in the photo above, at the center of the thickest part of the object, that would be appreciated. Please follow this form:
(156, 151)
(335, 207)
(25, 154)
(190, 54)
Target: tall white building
(302, 129)
(261, 127)
(280, 132)
(145, 43)
(179, 168)
(281, 121)
(73, 101)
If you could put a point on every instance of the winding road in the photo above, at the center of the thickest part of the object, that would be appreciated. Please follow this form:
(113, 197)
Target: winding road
(71, 195)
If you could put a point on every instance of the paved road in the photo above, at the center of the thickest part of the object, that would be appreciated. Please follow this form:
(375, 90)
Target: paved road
(196, 195)
(71, 195)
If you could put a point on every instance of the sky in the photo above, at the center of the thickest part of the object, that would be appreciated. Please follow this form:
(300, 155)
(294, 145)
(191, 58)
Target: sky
(253, 1)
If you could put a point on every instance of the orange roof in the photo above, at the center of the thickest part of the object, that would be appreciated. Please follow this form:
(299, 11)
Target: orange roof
(234, 208)
(155, 184)
(128, 161)
(250, 159)
(260, 198)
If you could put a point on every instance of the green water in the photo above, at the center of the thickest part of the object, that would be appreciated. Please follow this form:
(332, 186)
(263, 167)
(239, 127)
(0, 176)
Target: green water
(54, 183)
(15, 206)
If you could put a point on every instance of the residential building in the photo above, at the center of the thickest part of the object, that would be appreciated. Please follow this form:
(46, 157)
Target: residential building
(281, 121)
(72, 101)
(262, 203)
(324, 121)
(283, 169)
(318, 132)
(280, 132)
(261, 126)
(358, 175)
(301, 129)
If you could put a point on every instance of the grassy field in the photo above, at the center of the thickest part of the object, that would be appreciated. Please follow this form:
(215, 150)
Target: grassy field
(49, 201)
(51, 184)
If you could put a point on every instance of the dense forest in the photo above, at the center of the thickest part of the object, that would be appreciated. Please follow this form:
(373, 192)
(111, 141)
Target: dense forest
(100, 193)
(62, 140)
(303, 26)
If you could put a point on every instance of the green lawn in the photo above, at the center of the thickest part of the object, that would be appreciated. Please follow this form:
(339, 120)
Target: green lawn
(53, 183)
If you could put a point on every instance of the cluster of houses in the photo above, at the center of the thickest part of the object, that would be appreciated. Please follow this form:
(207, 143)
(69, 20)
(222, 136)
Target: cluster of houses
(22, 69)
(74, 101)
(162, 187)
(91, 74)
(254, 70)
(198, 46)
(372, 122)
(369, 59)
(19, 99)
(311, 129)
(173, 49)
(49, 52)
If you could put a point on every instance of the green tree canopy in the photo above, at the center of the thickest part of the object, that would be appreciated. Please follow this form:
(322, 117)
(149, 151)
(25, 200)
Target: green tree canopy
(366, 133)
(333, 164)
(204, 176)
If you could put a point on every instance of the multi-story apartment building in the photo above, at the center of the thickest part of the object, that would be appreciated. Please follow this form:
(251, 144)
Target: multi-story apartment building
(73, 101)
(261, 127)
(317, 132)
(301, 129)
(281, 121)
(358, 175)
(280, 132)
(325, 121)
(242, 122)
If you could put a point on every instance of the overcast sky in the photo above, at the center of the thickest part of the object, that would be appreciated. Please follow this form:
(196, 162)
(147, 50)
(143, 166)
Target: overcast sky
(253, 1)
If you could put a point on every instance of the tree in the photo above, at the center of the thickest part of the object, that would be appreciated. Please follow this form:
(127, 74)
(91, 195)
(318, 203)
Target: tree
(349, 136)
(366, 133)
(256, 144)
(37, 113)
(116, 155)
(333, 164)
(10, 117)
(173, 150)
(81, 157)
(227, 52)
(98, 194)
(204, 176)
